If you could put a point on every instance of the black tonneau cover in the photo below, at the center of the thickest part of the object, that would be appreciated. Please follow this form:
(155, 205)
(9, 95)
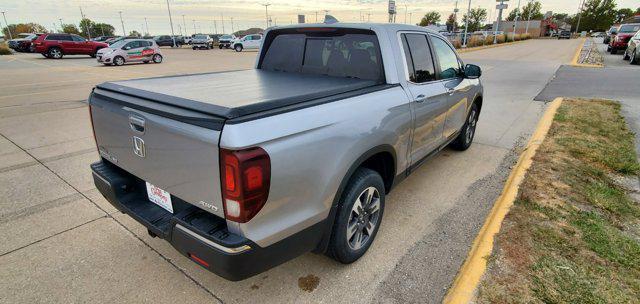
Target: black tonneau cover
(234, 94)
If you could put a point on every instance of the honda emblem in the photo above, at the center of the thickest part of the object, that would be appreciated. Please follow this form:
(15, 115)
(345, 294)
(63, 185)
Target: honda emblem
(138, 146)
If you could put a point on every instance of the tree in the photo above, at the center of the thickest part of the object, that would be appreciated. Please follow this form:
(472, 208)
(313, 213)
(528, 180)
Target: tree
(598, 15)
(476, 17)
(532, 8)
(103, 29)
(430, 18)
(70, 29)
(623, 13)
(135, 33)
(23, 28)
(451, 23)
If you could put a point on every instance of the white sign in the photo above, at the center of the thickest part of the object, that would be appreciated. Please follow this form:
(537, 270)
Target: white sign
(502, 6)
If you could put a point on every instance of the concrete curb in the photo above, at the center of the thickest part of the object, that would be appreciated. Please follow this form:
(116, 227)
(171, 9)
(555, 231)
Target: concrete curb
(468, 278)
(576, 58)
(478, 48)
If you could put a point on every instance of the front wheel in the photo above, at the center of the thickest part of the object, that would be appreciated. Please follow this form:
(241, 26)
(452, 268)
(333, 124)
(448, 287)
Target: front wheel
(55, 53)
(118, 60)
(238, 47)
(359, 216)
(633, 58)
(157, 58)
(468, 131)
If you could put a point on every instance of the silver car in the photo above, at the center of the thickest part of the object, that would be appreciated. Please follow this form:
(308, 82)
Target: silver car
(130, 50)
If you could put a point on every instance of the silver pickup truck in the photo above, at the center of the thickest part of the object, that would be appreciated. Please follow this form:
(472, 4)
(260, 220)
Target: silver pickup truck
(243, 170)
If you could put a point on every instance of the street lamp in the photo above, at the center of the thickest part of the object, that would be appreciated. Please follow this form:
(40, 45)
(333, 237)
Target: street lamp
(515, 24)
(61, 25)
(147, 24)
(194, 26)
(529, 17)
(173, 37)
(8, 28)
(580, 15)
(124, 33)
(466, 26)
(266, 13)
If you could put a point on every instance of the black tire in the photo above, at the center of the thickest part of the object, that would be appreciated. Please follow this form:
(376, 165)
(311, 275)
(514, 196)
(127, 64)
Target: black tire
(625, 56)
(341, 247)
(238, 47)
(157, 58)
(613, 51)
(118, 61)
(468, 131)
(55, 53)
(633, 59)
(220, 46)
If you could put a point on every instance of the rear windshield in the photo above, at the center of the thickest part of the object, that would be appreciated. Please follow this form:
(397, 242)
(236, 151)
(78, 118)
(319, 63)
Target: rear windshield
(333, 53)
(629, 28)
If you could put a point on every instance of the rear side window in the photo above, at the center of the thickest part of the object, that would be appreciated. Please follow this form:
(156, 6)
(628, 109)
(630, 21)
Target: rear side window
(449, 64)
(418, 58)
(331, 53)
(77, 38)
(59, 37)
(629, 28)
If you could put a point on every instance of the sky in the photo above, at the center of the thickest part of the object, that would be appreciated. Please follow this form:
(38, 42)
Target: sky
(209, 16)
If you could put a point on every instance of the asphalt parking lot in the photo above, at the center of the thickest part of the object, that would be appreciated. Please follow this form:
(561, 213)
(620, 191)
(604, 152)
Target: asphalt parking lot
(62, 242)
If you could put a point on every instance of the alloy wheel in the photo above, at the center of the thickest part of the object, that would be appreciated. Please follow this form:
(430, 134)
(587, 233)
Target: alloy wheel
(363, 219)
(471, 126)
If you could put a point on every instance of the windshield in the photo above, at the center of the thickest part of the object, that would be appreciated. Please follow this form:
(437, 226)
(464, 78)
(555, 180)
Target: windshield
(201, 37)
(629, 28)
(339, 53)
(118, 44)
(225, 37)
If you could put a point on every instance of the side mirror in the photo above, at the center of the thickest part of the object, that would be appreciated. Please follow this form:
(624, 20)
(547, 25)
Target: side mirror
(472, 71)
(126, 48)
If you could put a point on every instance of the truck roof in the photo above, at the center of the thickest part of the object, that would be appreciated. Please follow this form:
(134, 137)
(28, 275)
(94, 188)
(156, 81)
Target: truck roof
(236, 93)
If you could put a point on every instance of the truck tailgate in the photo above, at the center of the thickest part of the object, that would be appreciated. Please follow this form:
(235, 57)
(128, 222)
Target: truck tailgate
(178, 157)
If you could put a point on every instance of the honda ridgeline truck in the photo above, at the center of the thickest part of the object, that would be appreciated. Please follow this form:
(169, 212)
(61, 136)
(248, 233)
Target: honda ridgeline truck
(241, 171)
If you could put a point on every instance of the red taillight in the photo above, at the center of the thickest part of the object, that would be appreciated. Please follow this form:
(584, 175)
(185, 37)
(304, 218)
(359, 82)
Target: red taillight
(198, 260)
(246, 176)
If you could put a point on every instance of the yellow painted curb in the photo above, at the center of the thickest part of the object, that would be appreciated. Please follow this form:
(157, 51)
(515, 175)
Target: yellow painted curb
(468, 278)
(576, 57)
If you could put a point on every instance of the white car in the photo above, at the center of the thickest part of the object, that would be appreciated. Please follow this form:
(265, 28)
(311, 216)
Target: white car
(248, 42)
(130, 50)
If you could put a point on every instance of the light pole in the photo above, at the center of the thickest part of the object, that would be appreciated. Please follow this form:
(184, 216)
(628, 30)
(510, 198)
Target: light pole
(515, 23)
(316, 17)
(405, 12)
(215, 26)
(8, 28)
(194, 26)
(222, 21)
(232, 30)
(410, 17)
(529, 16)
(184, 25)
(173, 37)
(147, 24)
(466, 26)
(266, 13)
(580, 15)
(124, 33)
(500, 7)
(61, 25)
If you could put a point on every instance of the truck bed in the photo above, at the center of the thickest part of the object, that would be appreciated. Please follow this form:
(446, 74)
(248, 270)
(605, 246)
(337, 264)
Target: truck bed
(229, 95)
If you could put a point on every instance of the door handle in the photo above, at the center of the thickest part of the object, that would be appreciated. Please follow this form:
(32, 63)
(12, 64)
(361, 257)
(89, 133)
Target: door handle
(451, 91)
(421, 98)
(136, 123)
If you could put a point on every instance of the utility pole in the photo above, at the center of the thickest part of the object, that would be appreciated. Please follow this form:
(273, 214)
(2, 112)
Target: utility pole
(266, 13)
(122, 22)
(515, 23)
(579, 16)
(7, 24)
(232, 30)
(173, 37)
(87, 25)
(466, 26)
(194, 26)
(500, 7)
(147, 24)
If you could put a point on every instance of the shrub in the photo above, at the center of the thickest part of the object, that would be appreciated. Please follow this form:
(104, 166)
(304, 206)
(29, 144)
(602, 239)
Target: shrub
(526, 36)
(4, 49)
(488, 39)
(502, 38)
(456, 43)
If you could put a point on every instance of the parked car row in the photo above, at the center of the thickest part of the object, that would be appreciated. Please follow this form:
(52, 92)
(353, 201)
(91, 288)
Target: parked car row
(24, 42)
(625, 37)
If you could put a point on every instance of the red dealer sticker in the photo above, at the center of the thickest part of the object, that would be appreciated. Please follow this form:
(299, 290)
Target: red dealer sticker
(148, 52)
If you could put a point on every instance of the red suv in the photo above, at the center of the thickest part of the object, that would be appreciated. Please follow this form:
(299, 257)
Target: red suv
(621, 39)
(57, 45)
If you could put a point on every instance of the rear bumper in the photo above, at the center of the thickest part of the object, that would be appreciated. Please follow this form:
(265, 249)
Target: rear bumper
(197, 234)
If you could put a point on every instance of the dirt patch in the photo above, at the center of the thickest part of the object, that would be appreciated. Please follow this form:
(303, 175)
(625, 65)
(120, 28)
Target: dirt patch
(308, 283)
(572, 234)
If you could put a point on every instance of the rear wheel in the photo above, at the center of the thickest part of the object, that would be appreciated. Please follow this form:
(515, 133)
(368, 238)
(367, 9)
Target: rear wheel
(468, 132)
(118, 60)
(157, 58)
(55, 53)
(238, 47)
(359, 216)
